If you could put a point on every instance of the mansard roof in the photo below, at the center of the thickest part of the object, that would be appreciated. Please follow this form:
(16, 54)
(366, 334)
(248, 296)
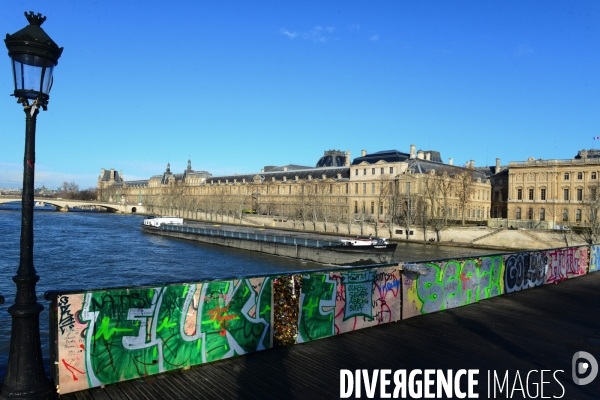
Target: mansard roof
(303, 174)
(289, 167)
(105, 176)
(386, 155)
(418, 166)
(141, 182)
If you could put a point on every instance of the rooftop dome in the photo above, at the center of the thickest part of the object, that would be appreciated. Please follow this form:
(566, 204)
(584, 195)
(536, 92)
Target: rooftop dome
(332, 158)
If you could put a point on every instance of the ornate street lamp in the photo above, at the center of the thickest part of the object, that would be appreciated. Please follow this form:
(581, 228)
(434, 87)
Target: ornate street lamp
(33, 55)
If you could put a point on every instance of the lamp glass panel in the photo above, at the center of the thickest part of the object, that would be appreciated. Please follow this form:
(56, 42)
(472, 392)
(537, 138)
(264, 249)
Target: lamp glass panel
(28, 71)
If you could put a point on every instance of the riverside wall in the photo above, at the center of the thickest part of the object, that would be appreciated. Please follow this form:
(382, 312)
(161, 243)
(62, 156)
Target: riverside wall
(318, 254)
(104, 336)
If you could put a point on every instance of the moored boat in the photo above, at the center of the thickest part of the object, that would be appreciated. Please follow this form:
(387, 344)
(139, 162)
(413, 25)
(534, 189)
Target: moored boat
(155, 222)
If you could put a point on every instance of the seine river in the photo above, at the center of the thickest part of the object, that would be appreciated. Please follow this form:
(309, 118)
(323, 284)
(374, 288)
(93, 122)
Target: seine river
(95, 250)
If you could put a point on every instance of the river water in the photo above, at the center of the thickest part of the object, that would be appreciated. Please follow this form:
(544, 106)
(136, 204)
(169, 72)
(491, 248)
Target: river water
(96, 250)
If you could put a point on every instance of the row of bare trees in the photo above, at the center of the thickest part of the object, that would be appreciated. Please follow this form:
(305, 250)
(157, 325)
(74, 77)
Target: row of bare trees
(413, 202)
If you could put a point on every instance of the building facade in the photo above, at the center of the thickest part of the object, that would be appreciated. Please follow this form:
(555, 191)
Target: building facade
(381, 188)
(554, 192)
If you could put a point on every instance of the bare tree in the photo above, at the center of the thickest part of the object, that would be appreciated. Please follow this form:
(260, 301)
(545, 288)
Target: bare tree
(68, 190)
(591, 232)
(464, 191)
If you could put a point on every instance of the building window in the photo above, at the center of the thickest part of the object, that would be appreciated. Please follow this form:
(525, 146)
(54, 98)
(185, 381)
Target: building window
(330, 188)
(593, 175)
(356, 207)
(407, 187)
(518, 212)
(372, 188)
(364, 210)
(593, 193)
(542, 214)
(519, 194)
(566, 194)
(579, 194)
(356, 188)
(530, 194)
(496, 196)
(372, 171)
(565, 215)
(382, 169)
(391, 170)
(530, 213)
(543, 194)
(566, 176)
(346, 188)
(578, 215)
(364, 188)
(356, 172)
(380, 208)
(372, 207)
(364, 171)
(579, 176)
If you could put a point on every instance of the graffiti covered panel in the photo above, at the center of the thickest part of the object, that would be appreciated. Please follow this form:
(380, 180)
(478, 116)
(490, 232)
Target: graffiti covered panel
(114, 335)
(451, 284)
(566, 263)
(337, 302)
(524, 270)
(594, 258)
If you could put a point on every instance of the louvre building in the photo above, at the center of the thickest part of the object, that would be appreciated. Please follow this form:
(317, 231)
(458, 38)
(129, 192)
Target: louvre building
(384, 186)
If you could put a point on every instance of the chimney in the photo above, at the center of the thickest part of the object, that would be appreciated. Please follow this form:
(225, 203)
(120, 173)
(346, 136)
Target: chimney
(420, 155)
(347, 163)
(472, 164)
(112, 174)
(428, 156)
(363, 153)
(413, 150)
(497, 165)
(121, 175)
(450, 161)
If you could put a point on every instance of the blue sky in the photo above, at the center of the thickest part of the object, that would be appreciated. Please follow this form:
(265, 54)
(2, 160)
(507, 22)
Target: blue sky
(239, 85)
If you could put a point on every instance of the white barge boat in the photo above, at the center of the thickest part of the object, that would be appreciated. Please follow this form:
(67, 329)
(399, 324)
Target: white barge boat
(359, 250)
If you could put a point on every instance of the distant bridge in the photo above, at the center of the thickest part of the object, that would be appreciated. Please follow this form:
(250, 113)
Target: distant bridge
(67, 204)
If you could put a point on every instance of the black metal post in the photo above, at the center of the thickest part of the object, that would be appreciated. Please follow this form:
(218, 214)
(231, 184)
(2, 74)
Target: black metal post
(25, 374)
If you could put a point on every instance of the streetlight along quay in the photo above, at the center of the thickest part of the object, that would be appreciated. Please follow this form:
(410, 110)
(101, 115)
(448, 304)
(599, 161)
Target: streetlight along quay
(33, 55)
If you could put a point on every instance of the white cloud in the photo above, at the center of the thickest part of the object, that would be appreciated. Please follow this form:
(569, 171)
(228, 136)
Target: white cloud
(354, 27)
(287, 33)
(317, 34)
(374, 37)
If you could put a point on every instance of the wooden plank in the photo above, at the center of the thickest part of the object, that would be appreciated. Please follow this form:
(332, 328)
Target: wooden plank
(99, 393)
(130, 391)
(85, 395)
(145, 389)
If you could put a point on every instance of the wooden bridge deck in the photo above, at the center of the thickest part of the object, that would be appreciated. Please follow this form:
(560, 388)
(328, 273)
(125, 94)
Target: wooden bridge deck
(530, 330)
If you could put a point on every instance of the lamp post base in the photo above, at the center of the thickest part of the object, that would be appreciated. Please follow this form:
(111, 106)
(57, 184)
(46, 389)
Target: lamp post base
(25, 376)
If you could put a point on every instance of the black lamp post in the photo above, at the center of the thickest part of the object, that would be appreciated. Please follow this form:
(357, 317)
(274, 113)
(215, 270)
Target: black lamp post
(33, 55)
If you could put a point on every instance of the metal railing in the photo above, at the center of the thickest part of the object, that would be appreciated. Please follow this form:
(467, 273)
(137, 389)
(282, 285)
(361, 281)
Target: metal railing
(250, 236)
